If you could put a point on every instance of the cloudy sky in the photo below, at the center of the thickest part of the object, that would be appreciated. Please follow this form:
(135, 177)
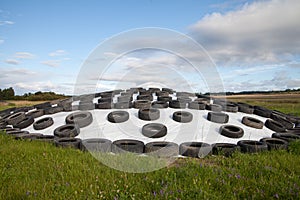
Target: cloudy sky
(253, 45)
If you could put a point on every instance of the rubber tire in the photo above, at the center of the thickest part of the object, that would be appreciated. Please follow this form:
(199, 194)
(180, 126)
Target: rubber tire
(230, 107)
(252, 122)
(127, 145)
(42, 105)
(154, 130)
(217, 117)
(231, 131)
(195, 149)
(66, 131)
(261, 111)
(160, 104)
(24, 123)
(289, 137)
(16, 132)
(196, 105)
(123, 105)
(68, 142)
(274, 125)
(149, 114)
(164, 98)
(138, 104)
(214, 107)
(281, 119)
(162, 149)
(104, 105)
(15, 118)
(53, 110)
(118, 116)
(36, 113)
(252, 146)
(182, 116)
(275, 143)
(245, 108)
(43, 123)
(225, 149)
(145, 97)
(177, 104)
(46, 138)
(107, 99)
(96, 145)
(82, 119)
(84, 105)
(30, 136)
(126, 98)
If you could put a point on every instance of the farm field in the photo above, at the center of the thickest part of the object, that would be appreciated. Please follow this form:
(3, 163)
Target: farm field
(36, 170)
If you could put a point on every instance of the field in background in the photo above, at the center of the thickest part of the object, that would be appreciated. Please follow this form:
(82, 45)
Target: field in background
(17, 103)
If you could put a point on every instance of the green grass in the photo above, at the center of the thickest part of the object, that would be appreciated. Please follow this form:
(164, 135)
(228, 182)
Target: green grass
(34, 170)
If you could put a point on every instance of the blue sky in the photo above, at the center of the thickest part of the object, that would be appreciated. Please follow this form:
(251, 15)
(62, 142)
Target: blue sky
(254, 44)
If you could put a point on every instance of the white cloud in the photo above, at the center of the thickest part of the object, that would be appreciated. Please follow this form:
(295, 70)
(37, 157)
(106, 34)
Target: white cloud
(12, 61)
(6, 23)
(24, 55)
(263, 31)
(58, 52)
(51, 63)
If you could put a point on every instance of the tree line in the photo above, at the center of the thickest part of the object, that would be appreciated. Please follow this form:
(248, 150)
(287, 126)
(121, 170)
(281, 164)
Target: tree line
(9, 94)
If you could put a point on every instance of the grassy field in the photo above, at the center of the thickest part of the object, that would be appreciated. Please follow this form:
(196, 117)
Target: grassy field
(35, 170)
(13, 103)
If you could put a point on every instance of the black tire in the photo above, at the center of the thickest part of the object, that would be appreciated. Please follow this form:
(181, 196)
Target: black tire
(125, 98)
(274, 125)
(104, 105)
(170, 91)
(275, 143)
(123, 146)
(162, 93)
(149, 114)
(145, 97)
(184, 99)
(3, 124)
(24, 123)
(145, 92)
(230, 107)
(160, 104)
(68, 130)
(138, 104)
(217, 117)
(177, 104)
(86, 105)
(245, 108)
(10, 129)
(96, 145)
(164, 98)
(154, 130)
(16, 132)
(43, 123)
(82, 119)
(53, 110)
(197, 105)
(30, 136)
(195, 149)
(123, 105)
(252, 122)
(182, 116)
(231, 131)
(68, 142)
(225, 149)
(289, 137)
(107, 99)
(42, 105)
(162, 149)
(251, 146)
(15, 118)
(261, 111)
(214, 107)
(282, 120)
(36, 113)
(118, 116)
